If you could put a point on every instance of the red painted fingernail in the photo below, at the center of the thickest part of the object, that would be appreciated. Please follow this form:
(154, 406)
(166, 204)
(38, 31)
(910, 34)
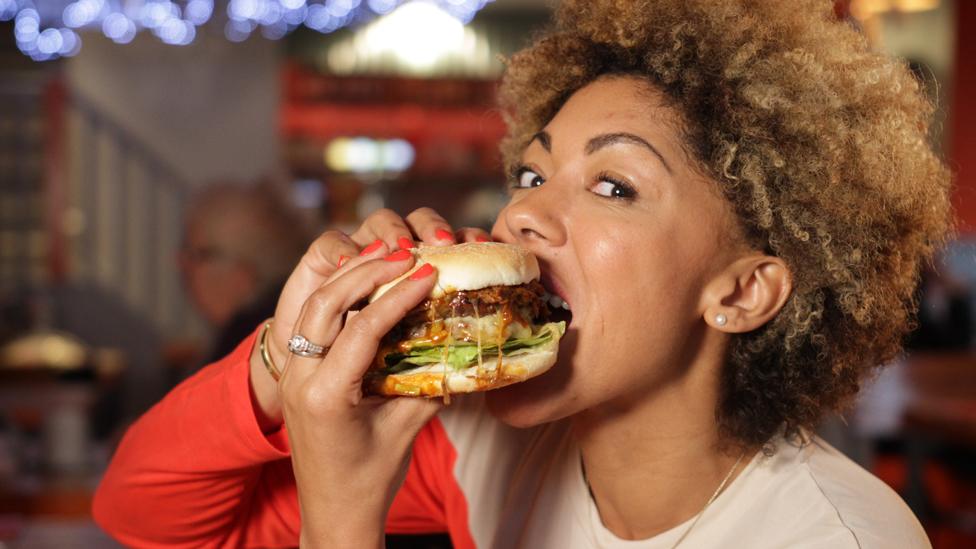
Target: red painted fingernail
(423, 272)
(342, 259)
(404, 243)
(482, 238)
(441, 234)
(372, 247)
(399, 255)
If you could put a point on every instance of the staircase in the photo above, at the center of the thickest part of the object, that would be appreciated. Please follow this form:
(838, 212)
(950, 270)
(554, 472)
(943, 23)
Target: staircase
(129, 207)
(85, 203)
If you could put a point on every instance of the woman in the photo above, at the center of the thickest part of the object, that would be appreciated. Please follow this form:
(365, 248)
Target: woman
(733, 197)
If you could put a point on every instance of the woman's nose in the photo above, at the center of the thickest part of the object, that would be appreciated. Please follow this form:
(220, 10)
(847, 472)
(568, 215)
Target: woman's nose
(536, 218)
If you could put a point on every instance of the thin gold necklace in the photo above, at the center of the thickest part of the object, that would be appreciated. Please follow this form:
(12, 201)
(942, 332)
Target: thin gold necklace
(710, 500)
(700, 513)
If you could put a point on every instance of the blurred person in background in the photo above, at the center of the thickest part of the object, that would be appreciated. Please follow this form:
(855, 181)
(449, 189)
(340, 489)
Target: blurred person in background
(240, 242)
(734, 199)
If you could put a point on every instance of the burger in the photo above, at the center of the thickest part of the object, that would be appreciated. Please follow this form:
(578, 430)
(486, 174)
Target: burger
(483, 326)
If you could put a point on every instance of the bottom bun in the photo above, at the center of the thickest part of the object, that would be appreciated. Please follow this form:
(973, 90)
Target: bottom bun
(431, 381)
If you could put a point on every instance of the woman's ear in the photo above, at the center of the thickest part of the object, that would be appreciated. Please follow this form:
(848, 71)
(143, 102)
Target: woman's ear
(747, 294)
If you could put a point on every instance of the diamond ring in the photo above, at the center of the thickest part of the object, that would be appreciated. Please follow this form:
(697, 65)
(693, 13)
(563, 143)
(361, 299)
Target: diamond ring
(302, 347)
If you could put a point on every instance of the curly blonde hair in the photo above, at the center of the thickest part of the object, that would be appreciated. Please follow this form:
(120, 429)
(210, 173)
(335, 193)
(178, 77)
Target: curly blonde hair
(819, 144)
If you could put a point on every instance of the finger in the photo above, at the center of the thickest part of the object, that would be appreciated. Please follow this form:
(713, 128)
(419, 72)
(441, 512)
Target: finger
(362, 334)
(321, 318)
(324, 255)
(472, 234)
(375, 250)
(414, 413)
(318, 263)
(430, 227)
(386, 225)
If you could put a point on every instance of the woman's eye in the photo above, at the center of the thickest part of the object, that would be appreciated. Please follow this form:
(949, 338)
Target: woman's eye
(526, 178)
(612, 188)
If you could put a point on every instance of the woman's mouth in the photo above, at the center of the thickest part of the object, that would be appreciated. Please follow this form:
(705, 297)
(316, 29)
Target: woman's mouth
(559, 308)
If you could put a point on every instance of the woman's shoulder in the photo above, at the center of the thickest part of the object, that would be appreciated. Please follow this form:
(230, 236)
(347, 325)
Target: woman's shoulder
(832, 495)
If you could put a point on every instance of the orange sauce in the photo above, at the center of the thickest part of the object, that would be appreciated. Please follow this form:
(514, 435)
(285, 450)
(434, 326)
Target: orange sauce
(436, 332)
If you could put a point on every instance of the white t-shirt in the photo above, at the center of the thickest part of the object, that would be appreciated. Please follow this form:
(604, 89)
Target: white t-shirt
(525, 488)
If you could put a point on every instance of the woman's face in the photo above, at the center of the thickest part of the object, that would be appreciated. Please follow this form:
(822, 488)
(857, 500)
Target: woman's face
(628, 234)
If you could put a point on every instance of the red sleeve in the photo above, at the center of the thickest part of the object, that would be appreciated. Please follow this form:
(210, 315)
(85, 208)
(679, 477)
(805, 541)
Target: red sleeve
(430, 499)
(196, 471)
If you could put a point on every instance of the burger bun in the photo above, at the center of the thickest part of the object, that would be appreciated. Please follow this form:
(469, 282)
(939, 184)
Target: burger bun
(472, 266)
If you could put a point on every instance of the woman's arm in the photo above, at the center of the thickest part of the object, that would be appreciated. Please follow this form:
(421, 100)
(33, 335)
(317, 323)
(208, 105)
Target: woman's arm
(211, 464)
(197, 470)
(238, 487)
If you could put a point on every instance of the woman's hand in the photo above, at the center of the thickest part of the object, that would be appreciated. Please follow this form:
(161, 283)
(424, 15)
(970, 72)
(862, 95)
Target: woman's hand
(380, 233)
(350, 453)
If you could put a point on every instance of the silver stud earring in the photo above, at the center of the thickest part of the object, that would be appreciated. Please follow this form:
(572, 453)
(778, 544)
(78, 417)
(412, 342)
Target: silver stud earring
(721, 319)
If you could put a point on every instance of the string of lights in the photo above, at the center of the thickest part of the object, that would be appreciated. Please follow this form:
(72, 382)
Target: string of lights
(50, 29)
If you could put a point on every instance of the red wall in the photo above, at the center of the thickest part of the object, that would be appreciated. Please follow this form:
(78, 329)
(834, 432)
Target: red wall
(963, 116)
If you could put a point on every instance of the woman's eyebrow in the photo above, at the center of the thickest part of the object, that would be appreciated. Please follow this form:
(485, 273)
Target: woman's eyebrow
(544, 140)
(607, 139)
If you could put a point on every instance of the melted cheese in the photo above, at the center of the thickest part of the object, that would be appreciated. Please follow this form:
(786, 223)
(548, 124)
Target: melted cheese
(470, 329)
(500, 338)
(477, 318)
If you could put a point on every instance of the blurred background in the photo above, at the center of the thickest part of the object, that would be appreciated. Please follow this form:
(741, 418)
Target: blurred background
(164, 163)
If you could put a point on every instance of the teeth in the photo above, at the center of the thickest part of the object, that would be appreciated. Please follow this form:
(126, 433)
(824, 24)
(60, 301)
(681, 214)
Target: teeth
(555, 301)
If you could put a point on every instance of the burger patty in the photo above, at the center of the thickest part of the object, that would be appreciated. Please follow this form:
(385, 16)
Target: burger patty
(487, 301)
(525, 300)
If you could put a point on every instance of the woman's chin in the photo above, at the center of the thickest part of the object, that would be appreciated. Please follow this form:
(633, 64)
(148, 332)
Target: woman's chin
(550, 396)
(527, 404)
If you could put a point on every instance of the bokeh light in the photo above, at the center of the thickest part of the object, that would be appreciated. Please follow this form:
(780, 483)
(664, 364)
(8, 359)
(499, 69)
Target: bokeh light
(176, 22)
(367, 155)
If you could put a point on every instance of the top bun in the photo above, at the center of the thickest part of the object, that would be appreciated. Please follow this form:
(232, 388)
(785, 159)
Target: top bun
(472, 266)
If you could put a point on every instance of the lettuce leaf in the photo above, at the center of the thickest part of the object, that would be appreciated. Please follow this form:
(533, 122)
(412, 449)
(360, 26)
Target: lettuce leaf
(464, 354)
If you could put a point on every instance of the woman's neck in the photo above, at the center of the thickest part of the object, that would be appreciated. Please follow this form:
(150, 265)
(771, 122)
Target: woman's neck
(654, 465)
